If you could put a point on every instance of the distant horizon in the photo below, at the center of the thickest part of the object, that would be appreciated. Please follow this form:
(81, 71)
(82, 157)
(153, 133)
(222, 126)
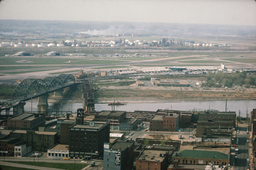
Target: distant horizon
(126, 22)
(219, 12)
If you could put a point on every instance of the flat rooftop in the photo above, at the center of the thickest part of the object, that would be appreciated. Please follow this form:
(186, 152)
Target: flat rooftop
(60, 148)
(45, 133)
(121, 145)
(111, 113)
(94, 125)
(23, 116)
(200, 154)
(152, 156)
(158, 117)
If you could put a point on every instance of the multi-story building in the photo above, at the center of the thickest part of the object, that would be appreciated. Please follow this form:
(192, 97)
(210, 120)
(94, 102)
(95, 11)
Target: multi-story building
(200, 157)
(64, 131)
(152, 159)
(21, 149)
(88, 139)
(129, 124)
(7, 146)
(114, 117)
(207, 122)
(218, 116)
(26, 121)
(39, 140)
(167, 122)
(119, 155)
(253, 137)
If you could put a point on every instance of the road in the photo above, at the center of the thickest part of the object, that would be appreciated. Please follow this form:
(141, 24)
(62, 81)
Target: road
(243, 146)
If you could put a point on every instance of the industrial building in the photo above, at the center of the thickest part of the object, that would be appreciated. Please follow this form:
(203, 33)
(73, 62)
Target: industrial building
(39, 140)
(23, 53)
(53, 53)
(26, 121)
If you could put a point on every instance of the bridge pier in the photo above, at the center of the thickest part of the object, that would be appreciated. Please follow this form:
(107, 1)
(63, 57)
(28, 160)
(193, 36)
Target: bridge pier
(19, 108)
(58, 93)
(43, 104)
(88, 102)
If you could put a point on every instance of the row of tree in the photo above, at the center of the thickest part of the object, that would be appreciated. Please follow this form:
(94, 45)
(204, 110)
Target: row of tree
(229, 80)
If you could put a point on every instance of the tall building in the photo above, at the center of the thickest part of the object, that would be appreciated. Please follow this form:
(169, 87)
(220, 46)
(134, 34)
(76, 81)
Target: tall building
(119, 155)
(64, 131)
(87, 140)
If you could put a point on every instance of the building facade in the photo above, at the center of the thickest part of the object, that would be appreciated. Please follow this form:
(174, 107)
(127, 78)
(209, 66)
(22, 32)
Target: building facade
(152, 159)
(39, 140)
(167, 122)
(119, 155)
(58, 152)
(88, 139)
(21, 149)
(26, 121)
(114, 117)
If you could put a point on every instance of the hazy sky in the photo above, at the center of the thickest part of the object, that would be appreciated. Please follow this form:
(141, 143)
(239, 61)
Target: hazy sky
(231, 12)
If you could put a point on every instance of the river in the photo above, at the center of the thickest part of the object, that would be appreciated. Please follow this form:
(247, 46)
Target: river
(242, 105)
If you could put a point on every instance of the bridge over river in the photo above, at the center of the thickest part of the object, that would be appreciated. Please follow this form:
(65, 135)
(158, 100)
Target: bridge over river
(29, 89)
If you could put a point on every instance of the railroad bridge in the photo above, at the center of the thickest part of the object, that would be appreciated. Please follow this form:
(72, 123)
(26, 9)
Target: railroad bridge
(29, 89)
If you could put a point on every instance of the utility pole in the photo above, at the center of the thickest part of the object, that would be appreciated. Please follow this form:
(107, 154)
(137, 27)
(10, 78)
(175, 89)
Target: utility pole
(226, 106)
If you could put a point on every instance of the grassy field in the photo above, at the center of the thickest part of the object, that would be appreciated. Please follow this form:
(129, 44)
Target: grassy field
(67, 166)
(11, 168)
(140, 94)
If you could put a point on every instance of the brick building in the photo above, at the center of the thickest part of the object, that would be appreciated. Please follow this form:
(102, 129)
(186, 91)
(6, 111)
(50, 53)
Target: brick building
(39, 140)
(7, 145)
(119, 155)
(88, 139)
(26, 121)
(64, 131)
(168, 122)
(152, 159)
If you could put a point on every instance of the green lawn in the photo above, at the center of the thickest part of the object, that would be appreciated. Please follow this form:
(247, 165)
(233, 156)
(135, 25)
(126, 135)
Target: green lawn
(11, 168)
(67, 166)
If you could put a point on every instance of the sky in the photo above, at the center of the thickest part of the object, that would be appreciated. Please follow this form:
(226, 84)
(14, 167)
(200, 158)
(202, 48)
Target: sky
(224, 12)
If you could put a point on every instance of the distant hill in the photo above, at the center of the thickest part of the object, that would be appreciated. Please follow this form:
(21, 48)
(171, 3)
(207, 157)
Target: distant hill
(137, 29)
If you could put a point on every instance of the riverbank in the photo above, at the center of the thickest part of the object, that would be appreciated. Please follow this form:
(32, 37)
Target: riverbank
(147, 94)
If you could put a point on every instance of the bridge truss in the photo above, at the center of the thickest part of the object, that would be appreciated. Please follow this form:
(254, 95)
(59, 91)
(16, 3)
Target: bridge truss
(30, 86)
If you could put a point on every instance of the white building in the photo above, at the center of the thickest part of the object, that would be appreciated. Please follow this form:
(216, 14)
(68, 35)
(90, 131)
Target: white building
(58, 152)
(21, 149)
(51, 45)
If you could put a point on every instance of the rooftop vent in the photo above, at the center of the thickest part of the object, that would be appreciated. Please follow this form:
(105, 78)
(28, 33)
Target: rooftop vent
(91, 124)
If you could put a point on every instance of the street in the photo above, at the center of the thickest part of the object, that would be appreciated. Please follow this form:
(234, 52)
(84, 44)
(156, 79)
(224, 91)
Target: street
(243, 146)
